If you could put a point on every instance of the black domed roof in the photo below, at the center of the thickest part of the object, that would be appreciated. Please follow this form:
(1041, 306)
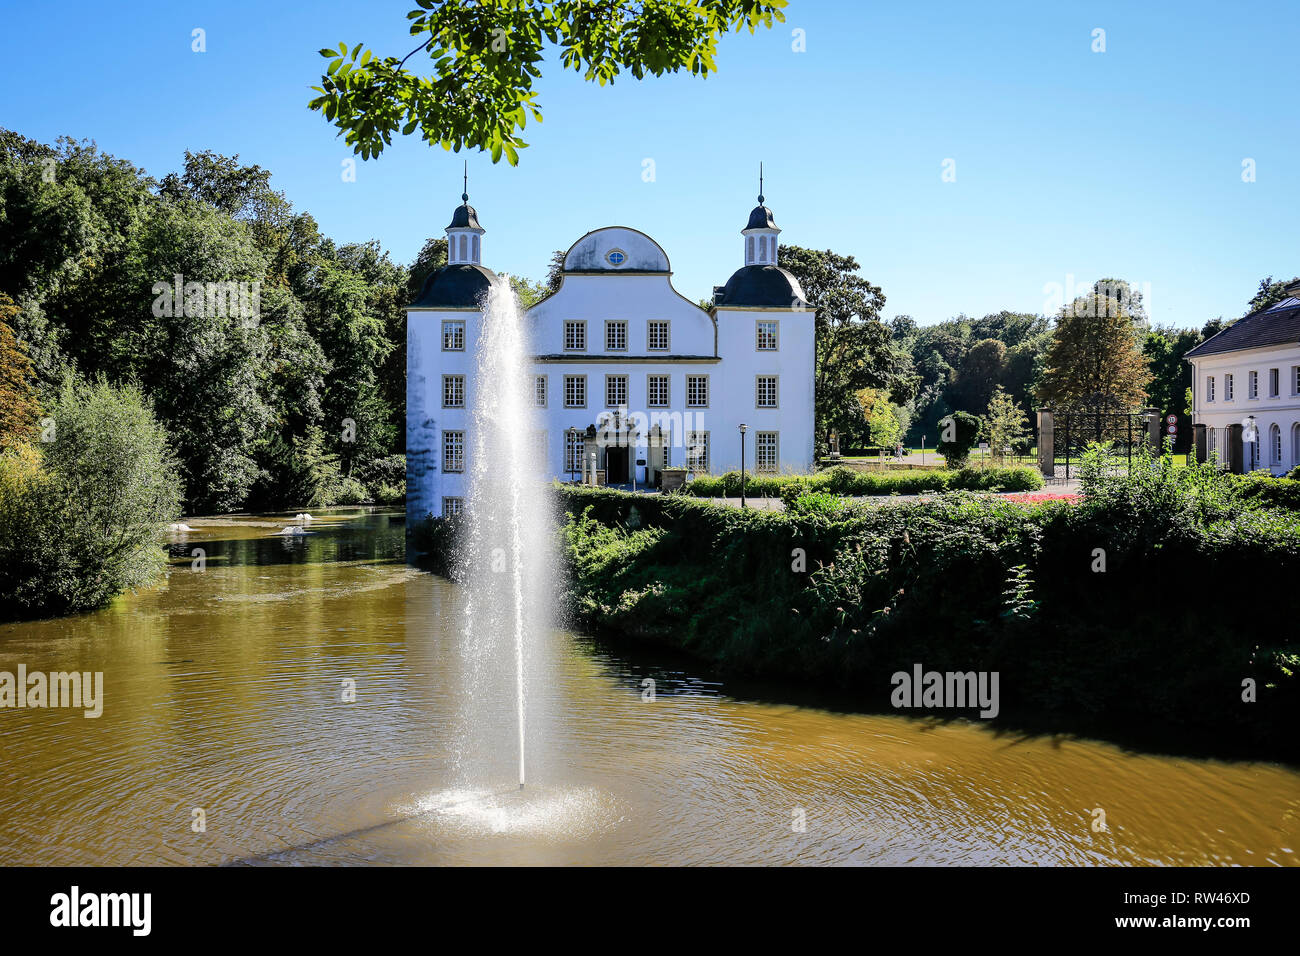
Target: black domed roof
(464, 217)
(460, 286)
(761, 218)
(762, 286)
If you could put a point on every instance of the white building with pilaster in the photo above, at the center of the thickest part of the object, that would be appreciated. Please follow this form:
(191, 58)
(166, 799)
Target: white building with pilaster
(1246, 390)
(629, 376)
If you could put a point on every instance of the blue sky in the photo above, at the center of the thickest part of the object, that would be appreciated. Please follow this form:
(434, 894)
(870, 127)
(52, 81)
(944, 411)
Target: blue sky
(1070, 164)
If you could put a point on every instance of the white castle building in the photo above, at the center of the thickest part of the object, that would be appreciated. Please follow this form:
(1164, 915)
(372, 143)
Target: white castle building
(630, 377)
(1246, 390)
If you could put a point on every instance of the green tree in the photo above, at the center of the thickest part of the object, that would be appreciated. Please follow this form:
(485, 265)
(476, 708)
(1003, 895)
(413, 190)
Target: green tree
(1006, 424)
(981, 371)
(19, 405)
(854, 348)
(1269, 292)
(1094, 358)
(486, 56)
(82, 515)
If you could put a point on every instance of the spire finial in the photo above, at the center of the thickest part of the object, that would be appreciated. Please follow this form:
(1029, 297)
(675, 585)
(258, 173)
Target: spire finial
(760, 183)
(464, 196)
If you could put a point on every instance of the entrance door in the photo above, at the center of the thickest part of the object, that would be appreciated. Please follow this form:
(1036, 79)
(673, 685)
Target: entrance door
(616, 465)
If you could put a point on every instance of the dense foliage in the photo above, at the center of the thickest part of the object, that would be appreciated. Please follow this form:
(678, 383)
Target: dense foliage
(842, 480)
(1070, 603)
(479, 92)
(83, 509)
(294, 380)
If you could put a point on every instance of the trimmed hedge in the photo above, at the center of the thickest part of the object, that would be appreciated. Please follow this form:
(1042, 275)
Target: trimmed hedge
(1270, 491)
(846, 481)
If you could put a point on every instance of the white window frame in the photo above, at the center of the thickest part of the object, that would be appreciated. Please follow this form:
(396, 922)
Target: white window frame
(758, 335)
(1209, 388)
(774, 439)
(615, 326)
(649, 335)
(1227, 386)
(695, 379)
(610, 381)
(452, 505)
(697, 462)
(453, 452)
(1275, 442)
(1274, 382)
(575, 447)
(579, 329)
(580, 381)
(457, 329)
(759, 380)
(540, 391)
(453, 381)
(667, 381)
(1252, 384)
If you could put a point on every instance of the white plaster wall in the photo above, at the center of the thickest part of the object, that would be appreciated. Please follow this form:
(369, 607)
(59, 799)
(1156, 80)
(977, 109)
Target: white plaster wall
(727, 353)
(1284, 410)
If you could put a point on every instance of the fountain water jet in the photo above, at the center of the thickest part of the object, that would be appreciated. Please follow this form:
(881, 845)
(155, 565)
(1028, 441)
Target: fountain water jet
(504, 562)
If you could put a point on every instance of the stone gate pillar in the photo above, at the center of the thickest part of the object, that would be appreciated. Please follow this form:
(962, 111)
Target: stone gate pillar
(1152, 438)
(1046, 443)
(1236, 462)
(1199, 444)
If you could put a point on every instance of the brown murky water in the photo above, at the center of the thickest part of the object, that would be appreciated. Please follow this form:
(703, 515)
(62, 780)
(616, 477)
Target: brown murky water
(223, 693)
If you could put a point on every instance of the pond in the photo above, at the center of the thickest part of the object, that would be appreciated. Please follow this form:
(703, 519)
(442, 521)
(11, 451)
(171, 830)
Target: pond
(226, 737)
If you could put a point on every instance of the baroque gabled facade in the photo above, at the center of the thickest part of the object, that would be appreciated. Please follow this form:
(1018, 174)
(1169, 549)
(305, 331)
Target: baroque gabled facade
(629, 376)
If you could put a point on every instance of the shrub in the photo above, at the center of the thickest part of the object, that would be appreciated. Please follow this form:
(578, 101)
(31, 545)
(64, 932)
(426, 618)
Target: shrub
(842, 480)
(349, 491)
(390, 494)
(82, 516)
(965, 431)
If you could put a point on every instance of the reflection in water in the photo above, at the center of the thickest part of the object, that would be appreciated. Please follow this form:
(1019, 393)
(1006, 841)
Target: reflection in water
(224, 692)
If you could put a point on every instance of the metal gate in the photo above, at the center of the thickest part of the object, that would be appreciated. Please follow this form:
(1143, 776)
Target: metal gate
(1076, 429)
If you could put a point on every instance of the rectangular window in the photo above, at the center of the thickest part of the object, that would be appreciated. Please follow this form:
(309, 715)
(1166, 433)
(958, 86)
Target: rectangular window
(1274, 382)
(656, 388)
(453, 391)
(453, 335)
(765, 451)
(765, 391)
(574, 445)
(615, 391)
(697, 391)
(453, 451)
(766, 335)
(452, 506)
(1227, 386)
(657, 335)
(539, 391)
(1295, 382)
(575, 336)
(1209, 389)
(697, 451)
(616, 336)
(575, 391)
(1252, 384)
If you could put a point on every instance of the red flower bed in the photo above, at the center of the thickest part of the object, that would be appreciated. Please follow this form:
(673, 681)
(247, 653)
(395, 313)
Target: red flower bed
(1035, 498)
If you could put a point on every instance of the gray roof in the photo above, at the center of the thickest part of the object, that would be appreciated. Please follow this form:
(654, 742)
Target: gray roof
(1279, 324)
(761, 286)
(761, 218)
(461, 286)
(464, 216)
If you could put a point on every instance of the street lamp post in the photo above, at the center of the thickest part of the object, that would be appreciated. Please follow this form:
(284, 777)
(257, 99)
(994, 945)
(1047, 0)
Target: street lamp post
(743, 427)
